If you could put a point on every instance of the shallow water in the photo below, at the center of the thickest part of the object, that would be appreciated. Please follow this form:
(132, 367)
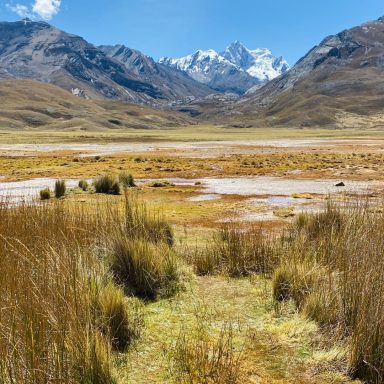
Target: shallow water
(204, 198)
(28, 189)
(279, 201)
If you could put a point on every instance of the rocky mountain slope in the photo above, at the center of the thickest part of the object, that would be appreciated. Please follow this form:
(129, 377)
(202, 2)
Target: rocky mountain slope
(337, 82)
(174, 83)
(38, 51)
(237, 69)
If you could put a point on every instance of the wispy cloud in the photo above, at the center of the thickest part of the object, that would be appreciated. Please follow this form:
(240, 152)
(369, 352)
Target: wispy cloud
(44, 9)
(19, 9)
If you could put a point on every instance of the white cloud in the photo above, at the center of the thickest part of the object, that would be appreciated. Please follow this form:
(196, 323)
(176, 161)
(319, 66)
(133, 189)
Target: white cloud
(19, 9)
(46, 9)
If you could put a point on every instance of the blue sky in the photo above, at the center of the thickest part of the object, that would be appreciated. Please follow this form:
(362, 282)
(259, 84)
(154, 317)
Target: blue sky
(178, 27)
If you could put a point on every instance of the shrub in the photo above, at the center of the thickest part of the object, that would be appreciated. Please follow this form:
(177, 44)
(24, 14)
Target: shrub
(145, 270)
(107, 184)
(161, 184)
(60, 188)
(45, 194)
(83, 184)
(121, 317)
(127, 180)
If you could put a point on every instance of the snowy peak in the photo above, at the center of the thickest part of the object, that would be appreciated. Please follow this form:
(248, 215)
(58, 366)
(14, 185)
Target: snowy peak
(238, 54)
(235, 63)
(259, 63)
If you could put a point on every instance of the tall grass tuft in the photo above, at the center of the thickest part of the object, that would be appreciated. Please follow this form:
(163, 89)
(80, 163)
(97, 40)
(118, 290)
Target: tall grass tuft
(121, 318)
(107, 184)
(60, 188)
(48, 325)
(146, 270)
(45, 194)
(126, 180)
(83, 184)
(61, 315)
(141, 223)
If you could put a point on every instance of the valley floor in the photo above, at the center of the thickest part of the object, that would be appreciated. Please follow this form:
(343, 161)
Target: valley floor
(290, 171)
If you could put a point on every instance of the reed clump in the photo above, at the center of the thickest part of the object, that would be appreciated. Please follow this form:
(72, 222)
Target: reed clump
(60, 188)
(107, 184)
(83, 184)
(127, 180)
(121, 318)
(146, 270)
(45, 194)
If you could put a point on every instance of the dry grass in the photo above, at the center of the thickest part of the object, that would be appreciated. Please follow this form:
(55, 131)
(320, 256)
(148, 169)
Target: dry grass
(198, 359)
(237, 251)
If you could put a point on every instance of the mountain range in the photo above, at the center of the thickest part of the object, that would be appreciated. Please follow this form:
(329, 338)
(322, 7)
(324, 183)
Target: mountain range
(237, 69)
(39, 51)
(338, 83)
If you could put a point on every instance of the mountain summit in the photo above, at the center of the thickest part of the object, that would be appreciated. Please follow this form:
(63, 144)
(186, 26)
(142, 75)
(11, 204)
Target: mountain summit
(236, 69)
(259, 63)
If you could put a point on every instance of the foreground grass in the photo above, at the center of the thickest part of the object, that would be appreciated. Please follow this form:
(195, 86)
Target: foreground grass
(79, 264)
(283, 348)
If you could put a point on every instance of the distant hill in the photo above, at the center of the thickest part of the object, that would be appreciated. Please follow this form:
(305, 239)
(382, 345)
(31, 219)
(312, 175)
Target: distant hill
(31, 104)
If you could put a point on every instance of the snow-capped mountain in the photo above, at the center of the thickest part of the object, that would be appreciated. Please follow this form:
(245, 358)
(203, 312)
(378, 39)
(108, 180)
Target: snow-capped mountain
(236, 69)
(214, 70)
